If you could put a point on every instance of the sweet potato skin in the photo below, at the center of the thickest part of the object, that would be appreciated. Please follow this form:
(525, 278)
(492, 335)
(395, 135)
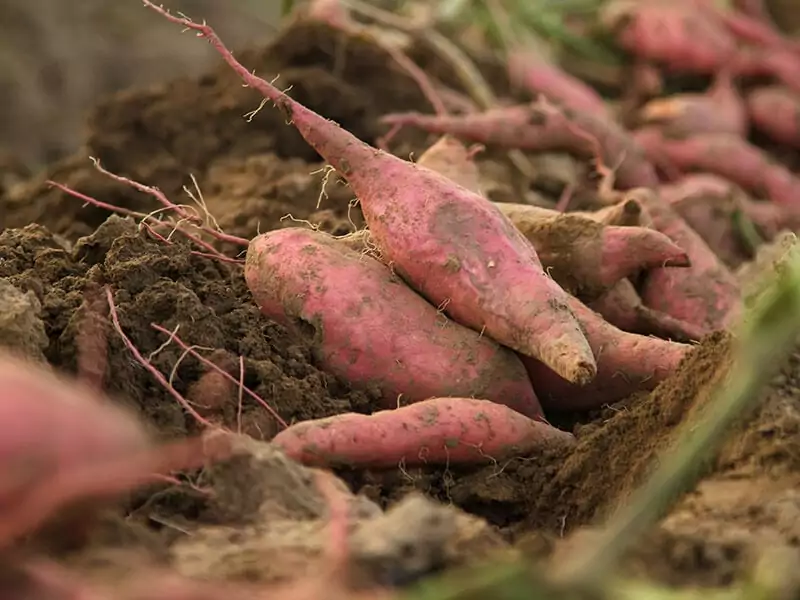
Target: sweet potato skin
(626, 363)
(775, 110)
(372, 329)
(719, 110)
(585, 257)
(658, 32)
(697, 188)
(702, 294)
(730, 157)
(434, 431)
(543, 127)
(539, 76)
(622, 307)
(53, 425)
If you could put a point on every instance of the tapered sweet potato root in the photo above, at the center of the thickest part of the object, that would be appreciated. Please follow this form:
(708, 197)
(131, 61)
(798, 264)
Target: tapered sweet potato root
(436, 431)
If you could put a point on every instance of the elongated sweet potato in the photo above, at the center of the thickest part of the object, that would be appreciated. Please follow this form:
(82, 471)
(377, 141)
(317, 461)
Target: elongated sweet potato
(703, 294)
(719, 110)
(585, 257)
(543, 127)
(730, 157)
(775, 110)
(435, 431)
(374, 330)
(626, 363)
(530, 70)
(622, 307)
(451, 245)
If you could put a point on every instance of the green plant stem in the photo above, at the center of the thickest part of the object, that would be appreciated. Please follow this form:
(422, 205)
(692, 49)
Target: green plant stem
(766, 338)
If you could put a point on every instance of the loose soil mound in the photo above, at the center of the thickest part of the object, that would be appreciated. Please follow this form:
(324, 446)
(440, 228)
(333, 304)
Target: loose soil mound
(265, 521)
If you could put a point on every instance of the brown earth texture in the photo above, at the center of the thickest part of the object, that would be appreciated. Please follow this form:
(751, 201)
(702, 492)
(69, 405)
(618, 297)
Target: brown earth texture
(259, 517)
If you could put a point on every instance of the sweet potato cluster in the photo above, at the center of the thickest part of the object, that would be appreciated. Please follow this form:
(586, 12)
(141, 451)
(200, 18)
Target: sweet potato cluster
(474, 318)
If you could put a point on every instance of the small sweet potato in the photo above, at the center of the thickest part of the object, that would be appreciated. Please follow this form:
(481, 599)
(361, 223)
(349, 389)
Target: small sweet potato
(702, 294)
(585, 257)
(711, 206)
(436, 431)
(531, 70)
(372, 329)
(730, 157)
(622, 307)
(544, 127)
(673, 34)
(626, 363)
(775, 111)
(719, 110)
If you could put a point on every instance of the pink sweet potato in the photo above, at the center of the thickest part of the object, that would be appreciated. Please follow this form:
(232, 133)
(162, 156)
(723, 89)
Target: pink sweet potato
(439, 431)
(63, 445)
(544, 127)
(709, 204)
(775, 111)
(626, 363)
(451, 245)
(673, 34)
(531, 71)
(622, 307)
(728, 156)
(372, 329)
(719, 110)
(702, 294)
(585, 257)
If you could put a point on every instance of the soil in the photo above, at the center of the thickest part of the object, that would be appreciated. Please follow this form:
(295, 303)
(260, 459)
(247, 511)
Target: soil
(264, 519)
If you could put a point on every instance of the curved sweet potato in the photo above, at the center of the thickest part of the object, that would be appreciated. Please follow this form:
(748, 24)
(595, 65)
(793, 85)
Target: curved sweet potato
(374, 330)
(435, 431)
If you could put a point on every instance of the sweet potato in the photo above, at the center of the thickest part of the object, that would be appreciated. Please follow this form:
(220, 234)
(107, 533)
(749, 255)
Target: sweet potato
(778, 63)
(585, 257)
(451, 245)
(730, 157)
(544, 127)
(622, 307)
(697, 188)
(372, 329)
(64, 445)
(702, 294)
(673, 34)
(436, 431)
(719, 110)
(531, 71)
(775, 111)
(626, 363)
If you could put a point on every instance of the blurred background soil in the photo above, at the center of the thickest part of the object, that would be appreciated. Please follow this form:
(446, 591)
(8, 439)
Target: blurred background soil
(59, 57)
